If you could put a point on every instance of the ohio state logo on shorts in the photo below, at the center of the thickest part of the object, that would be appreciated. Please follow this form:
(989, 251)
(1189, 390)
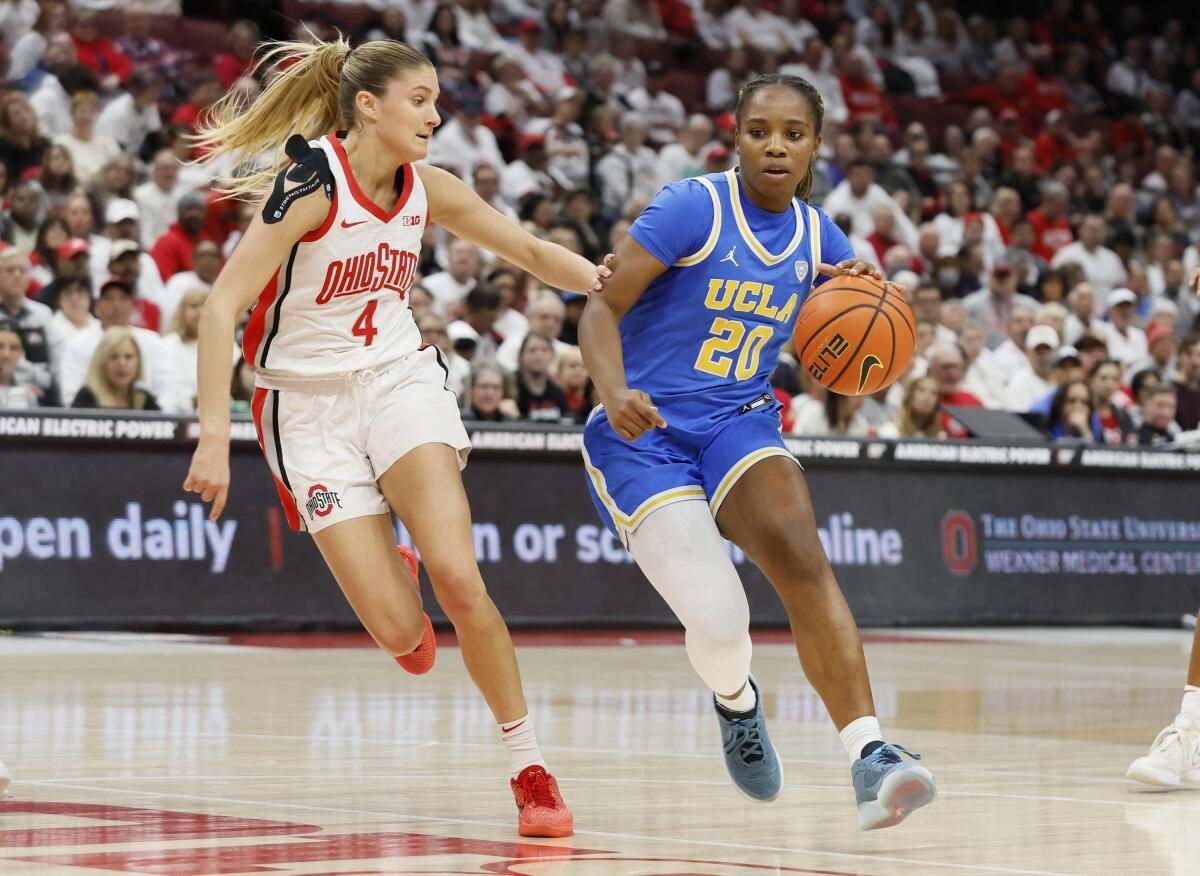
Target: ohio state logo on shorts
(321, 501)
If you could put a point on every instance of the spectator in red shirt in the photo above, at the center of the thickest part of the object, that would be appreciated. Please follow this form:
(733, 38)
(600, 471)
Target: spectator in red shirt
(1042, 89)
(99, 53)
(231, 66)
(999, 95)
(864, 99)
(206, 90)
(173, 251)
(1055, 145)
(1051, 230)
(947, 367)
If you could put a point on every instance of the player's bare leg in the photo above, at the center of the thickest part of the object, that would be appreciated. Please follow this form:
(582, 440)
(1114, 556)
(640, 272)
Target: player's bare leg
(361, 553)
(1174, 758)
(425, 490)
(769, 514)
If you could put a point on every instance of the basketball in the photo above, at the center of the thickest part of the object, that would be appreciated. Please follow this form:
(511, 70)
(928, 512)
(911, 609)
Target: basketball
(855, 335)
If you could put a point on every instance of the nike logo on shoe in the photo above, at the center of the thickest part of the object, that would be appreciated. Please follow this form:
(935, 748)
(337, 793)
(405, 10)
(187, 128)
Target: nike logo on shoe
(346, 224)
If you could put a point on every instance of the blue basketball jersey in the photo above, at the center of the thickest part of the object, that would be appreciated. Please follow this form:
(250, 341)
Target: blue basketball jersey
(706, 334)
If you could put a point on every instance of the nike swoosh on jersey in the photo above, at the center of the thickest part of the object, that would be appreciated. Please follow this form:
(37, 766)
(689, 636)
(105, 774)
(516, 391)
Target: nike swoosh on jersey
(864, 370)
(346, 224)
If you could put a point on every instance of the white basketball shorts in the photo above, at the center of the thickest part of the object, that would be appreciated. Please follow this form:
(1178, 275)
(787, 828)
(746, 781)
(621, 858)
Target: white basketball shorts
(328, 443)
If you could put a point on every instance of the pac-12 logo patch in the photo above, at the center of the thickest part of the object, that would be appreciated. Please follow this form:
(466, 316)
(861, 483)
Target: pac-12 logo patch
(321, 501)
(801, 270)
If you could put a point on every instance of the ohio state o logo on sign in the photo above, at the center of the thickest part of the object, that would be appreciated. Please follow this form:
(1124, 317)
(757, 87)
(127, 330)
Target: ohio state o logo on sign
(958, 542)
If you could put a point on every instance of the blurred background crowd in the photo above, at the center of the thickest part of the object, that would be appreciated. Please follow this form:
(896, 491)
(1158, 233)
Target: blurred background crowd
(1029, 179)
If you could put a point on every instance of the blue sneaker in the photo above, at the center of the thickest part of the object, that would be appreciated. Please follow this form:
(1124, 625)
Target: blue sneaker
(751, 759)
(889, 789)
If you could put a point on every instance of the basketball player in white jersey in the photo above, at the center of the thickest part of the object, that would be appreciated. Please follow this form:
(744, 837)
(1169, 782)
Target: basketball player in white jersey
(353, 413)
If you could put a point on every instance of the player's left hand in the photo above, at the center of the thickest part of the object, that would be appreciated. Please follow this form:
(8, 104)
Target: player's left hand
(851, 268)
(604, 272)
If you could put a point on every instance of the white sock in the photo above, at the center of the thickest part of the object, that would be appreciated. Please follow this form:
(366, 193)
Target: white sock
(521, 743)
(743, 702)
(858, 733)
(1191, 703)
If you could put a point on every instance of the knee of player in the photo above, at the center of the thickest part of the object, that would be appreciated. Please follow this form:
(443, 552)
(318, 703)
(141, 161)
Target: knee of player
(800, 562)
(457, 585)
(720, 628)
(400, 634)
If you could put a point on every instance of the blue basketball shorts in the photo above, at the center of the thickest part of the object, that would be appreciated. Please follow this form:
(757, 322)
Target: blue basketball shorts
(693, 458)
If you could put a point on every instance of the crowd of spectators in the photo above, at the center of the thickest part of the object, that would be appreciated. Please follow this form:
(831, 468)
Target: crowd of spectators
(1030, 181)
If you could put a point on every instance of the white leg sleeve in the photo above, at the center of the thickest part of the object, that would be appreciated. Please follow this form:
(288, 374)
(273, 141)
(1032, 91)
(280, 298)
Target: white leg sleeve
(680, 550)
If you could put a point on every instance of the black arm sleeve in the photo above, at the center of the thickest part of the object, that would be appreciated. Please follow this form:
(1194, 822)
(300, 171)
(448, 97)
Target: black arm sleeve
(311, 170)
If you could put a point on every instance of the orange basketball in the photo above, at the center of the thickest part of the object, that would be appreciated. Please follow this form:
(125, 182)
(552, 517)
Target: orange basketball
(855, 335)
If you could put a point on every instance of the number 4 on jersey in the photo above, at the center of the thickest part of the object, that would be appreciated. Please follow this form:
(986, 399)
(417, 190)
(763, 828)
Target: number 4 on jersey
(363, 327)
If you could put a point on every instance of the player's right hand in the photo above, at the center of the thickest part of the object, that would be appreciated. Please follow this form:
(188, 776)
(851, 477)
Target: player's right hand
(631, 413)
(1194, 280)
(209, 475)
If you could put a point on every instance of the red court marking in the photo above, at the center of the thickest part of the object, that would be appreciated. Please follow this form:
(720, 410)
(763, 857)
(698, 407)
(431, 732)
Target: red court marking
(548, 638)
(139, 825)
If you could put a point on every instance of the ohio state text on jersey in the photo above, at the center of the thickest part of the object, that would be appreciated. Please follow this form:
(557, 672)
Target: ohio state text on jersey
(339, 302)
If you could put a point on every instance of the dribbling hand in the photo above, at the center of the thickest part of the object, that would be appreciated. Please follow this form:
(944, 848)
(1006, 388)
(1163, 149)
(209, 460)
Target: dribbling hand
(209, 475)
(850, 267)
(631, 414)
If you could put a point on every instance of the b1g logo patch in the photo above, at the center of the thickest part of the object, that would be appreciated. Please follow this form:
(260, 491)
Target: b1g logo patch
(321, 501)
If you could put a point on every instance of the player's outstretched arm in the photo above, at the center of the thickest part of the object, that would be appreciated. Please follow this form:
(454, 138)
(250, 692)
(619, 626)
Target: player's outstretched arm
(254, 261)
(454, 206)
(630, 411)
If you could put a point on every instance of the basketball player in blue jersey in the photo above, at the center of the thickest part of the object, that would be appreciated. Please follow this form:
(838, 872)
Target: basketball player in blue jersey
(686, 448)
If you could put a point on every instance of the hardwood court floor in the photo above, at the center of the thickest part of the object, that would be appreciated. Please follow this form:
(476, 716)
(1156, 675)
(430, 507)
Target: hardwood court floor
(179, 756)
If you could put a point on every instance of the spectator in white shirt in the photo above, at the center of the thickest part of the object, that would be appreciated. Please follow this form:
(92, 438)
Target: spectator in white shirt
(1126, 342)
(1081, 301)
(528, 173)
(89, 151)
(724, 82)
(751, 25)
(1102, 267)
(662, 112)
(156, 197)
(50, 101)
(133, 116)
(72, 314)
(814, 66)
(568, 161)
(206, 265)
(951, 226)
(1033, 382)
(993, 305)
(486, 180)
(635, 18)
(450, 287)
(685, 158)
(511, 95)
(710, 25)
(543, 67)
(123, 221)
(115, 307)
(464, 141)
(859, 196)
(546, 314)
(1127, 76)
(475, 29)
(629, 170)
(628, 70)
(458, 369)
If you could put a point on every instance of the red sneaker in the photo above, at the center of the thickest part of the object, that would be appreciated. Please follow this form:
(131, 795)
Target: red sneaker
(419, 661)
(541, 807)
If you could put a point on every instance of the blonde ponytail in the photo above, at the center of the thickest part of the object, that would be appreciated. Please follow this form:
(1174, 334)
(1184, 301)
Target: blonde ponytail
(312, 97)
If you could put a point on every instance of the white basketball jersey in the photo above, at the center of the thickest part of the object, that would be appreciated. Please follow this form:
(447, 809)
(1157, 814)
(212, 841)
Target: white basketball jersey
(339, 302)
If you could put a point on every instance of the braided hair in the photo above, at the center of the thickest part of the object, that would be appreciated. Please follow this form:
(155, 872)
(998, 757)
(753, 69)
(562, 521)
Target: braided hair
(806, 90)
